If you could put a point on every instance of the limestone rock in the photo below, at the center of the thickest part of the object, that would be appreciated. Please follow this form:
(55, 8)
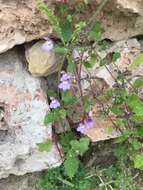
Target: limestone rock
(40, 62)
(26, 182)
(128, 50)
(103, 128)
(122, 19)
(23, 100)
(21, 22)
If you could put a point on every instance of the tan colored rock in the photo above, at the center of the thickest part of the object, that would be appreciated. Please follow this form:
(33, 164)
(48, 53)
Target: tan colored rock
(40, 62)
(21, 22)
(104, 127)
(122, 19)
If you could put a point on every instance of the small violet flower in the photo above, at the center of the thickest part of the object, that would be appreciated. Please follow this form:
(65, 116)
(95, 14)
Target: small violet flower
(65, 76)
(65, 83)
(89, 123)
(81, 128)
(54, 103)
(48, 45)
(85, 125)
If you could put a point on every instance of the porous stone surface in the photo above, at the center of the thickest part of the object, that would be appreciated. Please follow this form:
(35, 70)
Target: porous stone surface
(24, 104)
(26, 182)
(40, 62)
(129, 50)
(122, 19)
(21, 22)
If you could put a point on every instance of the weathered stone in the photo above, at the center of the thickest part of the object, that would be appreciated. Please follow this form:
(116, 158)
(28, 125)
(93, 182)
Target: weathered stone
(21, 21)
(40, 62)
(26, 182)
(122, 19)
(23, 99)
(129, 49)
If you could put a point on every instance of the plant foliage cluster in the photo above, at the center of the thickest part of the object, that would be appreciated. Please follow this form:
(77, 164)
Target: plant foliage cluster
(125, 103)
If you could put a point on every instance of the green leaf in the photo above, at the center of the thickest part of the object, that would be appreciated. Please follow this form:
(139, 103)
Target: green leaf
(50, 118)
(96, 32)
(68, 98)
(137, 62)
(45, 146)
(136, 104)
(88, 103)
(61, 50)
(138, 83)
(71, 165)
(78, 28)
(116, 56)
(54, 21)
(65, 139)
(120, 123)
(136, 145)
(81, 146)
(71, 66)
(120, 152)
(139, 132)
(66, 30)
(91, 62)
(138, 161)
(51, 93)
(124, 137)
(62, 113)
(116, 110)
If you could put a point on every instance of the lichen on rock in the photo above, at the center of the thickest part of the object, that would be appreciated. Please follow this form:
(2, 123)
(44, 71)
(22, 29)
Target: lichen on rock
(25, 105)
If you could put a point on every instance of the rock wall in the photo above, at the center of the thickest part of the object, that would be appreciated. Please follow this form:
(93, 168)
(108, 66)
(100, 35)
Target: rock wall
(21, 22)
(23, 101)
(26, 182)
(24, 105)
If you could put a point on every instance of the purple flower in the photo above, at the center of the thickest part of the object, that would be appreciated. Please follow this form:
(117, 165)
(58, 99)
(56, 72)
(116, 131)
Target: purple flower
(81, 128)
(65, 76)
(54, 103)
(87, 124)
(65, 85)
(48, 45)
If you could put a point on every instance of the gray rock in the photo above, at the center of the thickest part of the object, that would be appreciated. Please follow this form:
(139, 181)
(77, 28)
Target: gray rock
(23, 99)
(26, 182)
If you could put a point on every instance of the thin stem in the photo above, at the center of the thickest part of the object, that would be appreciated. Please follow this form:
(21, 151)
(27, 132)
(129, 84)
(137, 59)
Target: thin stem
(55, 140)
(125, 78)
(80, 89)
(102, 105)
(104, 184)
